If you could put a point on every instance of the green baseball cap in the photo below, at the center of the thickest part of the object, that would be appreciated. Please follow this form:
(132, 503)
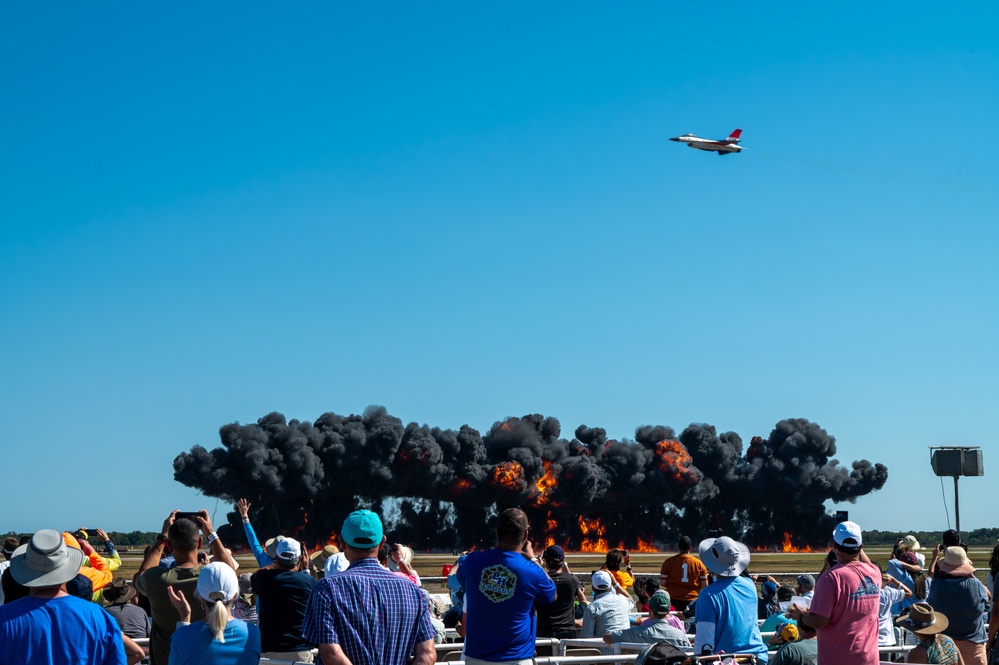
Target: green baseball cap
(659, 603)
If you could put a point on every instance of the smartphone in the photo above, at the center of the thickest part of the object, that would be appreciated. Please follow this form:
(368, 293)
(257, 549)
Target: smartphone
(187, 516)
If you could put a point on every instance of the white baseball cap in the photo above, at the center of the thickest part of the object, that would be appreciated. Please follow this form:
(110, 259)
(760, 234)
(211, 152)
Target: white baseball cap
(217, 581)
(288, 550)
(847, 534)
(601, 580)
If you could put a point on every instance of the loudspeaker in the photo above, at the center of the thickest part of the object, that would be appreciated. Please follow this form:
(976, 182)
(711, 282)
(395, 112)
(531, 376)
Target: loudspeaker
(947, 462)
(972, 463)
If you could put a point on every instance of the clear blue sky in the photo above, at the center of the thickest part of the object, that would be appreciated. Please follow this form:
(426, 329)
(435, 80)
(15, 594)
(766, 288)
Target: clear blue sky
(471, 212)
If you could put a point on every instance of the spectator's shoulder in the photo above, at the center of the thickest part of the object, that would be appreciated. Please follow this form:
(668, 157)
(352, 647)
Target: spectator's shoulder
(150, 578)
(83, 607)
(150, 573)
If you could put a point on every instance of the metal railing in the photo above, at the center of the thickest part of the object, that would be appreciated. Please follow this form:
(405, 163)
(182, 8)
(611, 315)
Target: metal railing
(622, 652)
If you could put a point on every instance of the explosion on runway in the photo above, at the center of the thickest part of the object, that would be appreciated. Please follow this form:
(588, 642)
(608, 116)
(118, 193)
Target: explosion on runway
(439, 488)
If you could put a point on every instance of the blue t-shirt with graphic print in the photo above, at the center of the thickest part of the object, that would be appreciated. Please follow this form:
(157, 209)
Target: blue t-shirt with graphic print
(500, 590)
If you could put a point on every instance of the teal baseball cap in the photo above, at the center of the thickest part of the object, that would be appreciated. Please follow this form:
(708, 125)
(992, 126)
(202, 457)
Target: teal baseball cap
(362, 529)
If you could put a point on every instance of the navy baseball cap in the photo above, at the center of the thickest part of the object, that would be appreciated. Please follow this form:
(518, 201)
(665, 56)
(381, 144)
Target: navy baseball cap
(554, 553)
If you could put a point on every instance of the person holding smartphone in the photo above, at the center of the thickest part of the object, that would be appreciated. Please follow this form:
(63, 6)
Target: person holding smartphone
(185, 539)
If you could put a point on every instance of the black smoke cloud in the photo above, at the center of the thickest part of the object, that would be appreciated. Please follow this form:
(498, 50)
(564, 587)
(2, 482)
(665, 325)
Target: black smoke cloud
(438, 489)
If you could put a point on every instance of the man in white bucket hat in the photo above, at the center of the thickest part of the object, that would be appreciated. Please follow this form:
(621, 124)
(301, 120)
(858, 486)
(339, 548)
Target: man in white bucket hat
(726, 610)
(87, 634)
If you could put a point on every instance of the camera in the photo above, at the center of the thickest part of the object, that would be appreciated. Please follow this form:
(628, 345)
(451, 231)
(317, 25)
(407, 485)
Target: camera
(187, 516)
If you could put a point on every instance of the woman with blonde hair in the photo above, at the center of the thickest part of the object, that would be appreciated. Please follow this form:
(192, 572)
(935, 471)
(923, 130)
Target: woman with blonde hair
(219, 638)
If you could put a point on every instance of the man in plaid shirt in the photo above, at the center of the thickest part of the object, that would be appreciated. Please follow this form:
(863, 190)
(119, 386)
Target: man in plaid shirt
(368, 615)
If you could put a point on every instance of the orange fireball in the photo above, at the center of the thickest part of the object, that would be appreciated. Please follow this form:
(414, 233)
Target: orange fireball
(509, 475)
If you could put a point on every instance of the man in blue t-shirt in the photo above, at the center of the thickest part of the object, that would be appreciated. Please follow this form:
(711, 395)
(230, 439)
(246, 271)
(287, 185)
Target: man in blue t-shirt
(726, 610)
(501, 586)
(50, 626)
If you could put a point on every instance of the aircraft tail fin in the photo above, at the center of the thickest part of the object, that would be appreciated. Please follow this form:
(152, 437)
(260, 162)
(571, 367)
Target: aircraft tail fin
(734, 136)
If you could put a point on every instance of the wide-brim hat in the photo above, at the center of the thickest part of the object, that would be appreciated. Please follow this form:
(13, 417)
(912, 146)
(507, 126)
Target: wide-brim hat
(911, 542)
(319, 557)
(45, 560)
(270, 546)
(724, 556)
(119, 591)
(955, 561)
(921, 619)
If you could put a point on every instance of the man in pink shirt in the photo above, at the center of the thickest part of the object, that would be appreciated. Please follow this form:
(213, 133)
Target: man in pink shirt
(844, 609)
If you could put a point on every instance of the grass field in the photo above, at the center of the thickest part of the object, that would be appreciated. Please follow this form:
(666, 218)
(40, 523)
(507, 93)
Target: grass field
(784, 566)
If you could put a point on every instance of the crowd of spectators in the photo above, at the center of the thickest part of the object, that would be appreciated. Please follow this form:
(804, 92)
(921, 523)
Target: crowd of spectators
(364, 603)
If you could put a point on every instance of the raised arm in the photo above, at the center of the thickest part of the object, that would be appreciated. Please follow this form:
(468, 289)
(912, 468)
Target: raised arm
(263, 560)
(155, 551)
(219, 552)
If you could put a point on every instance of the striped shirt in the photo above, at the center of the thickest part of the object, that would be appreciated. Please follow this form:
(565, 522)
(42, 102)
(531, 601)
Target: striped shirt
(374, 615)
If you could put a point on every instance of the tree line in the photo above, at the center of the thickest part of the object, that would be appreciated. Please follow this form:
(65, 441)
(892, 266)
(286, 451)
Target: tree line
(930, 539)
(119, 538)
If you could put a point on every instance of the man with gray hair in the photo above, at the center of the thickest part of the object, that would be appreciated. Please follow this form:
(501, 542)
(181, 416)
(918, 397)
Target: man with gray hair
(657, 629)
(806, 586)
(49, 625)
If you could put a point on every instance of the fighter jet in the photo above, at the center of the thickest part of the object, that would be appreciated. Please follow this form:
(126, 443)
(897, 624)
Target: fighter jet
(729, 145)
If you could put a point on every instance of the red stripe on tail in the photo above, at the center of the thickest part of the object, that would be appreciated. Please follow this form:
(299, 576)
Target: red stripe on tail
(734, 136)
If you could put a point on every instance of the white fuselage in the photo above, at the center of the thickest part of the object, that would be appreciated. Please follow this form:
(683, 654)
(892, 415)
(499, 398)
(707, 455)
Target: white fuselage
(698, 143)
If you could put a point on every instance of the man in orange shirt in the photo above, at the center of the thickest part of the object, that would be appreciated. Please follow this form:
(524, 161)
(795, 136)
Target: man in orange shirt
(683, 575)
